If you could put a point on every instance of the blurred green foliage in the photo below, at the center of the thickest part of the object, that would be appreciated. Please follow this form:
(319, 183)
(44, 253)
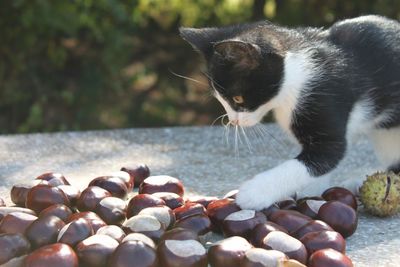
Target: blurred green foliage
(96, 64)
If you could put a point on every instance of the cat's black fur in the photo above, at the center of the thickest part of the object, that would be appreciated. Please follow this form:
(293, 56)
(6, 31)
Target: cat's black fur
(357, 59)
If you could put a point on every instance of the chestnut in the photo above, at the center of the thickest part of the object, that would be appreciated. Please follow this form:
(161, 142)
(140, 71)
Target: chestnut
(242, 222)
(189, 209)
(287, 204)
(179, 233)
(74, 232)
(140, 237)
(283, 242)
(162, 213)
(71, 192)
(60, 255)
(269, 210)
(138, 172)
(53, 178)
(89, 198)
(42, 196)
(6, 210)
(144, 224)
(112, 210)
(161, 183)
(171, 200)
(228, 252)
(289, 219)
(13, 245)
(94, 220)
(16, 222)
(177, 253)
(44, 231)
(310, 207)
(218, 210)
(258, 257)
(261, 230)
(340, 194)
(134, 254)
(124, 176)
(323, 239)
(96, 250)
(113, 184)
(231, 194)
(2, 202)
(341, 217)
(113, 231)
(19, 192)
(312, 226)
(200, 224)
(59, 210)
(201, 200)
(329, 257)
(141, 201)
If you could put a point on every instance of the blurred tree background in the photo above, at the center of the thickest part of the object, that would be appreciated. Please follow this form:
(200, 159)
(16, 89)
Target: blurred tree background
(99, 64)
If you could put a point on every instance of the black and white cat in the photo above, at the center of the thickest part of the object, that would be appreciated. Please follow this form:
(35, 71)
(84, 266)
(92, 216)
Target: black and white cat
(323, 86)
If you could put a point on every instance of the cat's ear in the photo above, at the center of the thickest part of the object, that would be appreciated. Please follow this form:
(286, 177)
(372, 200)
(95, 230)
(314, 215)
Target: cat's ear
(243, 55)
(201, 39)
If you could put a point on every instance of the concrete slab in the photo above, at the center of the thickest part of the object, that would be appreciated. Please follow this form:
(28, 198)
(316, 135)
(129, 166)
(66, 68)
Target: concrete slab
(200, 157)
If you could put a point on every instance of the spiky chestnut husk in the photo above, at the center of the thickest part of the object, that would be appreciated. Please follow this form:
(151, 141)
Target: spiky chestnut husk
(380, 194)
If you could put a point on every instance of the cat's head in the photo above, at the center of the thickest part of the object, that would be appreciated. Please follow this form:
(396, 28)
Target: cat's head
(245, 67)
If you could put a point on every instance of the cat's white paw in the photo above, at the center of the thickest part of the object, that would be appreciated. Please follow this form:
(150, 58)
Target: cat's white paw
(273, 185)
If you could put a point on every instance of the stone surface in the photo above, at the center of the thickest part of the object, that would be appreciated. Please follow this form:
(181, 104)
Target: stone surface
(200, 157)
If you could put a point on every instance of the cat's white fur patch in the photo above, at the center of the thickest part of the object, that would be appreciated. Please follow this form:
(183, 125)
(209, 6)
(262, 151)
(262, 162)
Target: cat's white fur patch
(387, 145)
(273, 185)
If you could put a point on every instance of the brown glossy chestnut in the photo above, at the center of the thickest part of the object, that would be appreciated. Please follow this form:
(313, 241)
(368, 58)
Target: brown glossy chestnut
(141, 201)
(16, 222)
(162, 213)
(323, 239)
(161, 183)
(44, 231)
(218, 210)
(42, 196)
(329, 257)
(341, 217)
(228, 252)
(144, 224)
(90, 197)
(125, 177)
(113, 184)
(179, 234)
(231, 194)
(53, 178)
(340, 194)
(189, 209)
(113, 231)
(6, 210)
(140, 237)
(112, 210)
(96, 250)
(283, 242)
(171, 200)
(261, 230)
(200, 224)
(19, 192)
(13, 245)
(71, 192)
(242, 222)
(94, 220)
(178, 253)
(289, 219)
(267, 211)
(60, 255)
(203, 200)
(312, 226)
(287, 204)
(134, 254)
(258, 257)
(138, 172)
(310, 207)
(60, 210)
(74, 232)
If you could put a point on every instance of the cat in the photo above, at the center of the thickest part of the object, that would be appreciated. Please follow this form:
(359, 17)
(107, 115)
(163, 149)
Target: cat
(323, 86)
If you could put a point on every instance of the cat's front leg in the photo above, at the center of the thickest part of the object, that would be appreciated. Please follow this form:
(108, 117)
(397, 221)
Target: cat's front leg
(274, 185)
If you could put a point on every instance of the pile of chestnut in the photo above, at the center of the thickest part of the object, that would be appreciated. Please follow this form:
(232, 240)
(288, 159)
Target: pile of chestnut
(55, 224)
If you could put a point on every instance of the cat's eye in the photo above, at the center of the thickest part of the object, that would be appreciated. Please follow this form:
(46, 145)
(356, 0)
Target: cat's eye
(238, 99)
